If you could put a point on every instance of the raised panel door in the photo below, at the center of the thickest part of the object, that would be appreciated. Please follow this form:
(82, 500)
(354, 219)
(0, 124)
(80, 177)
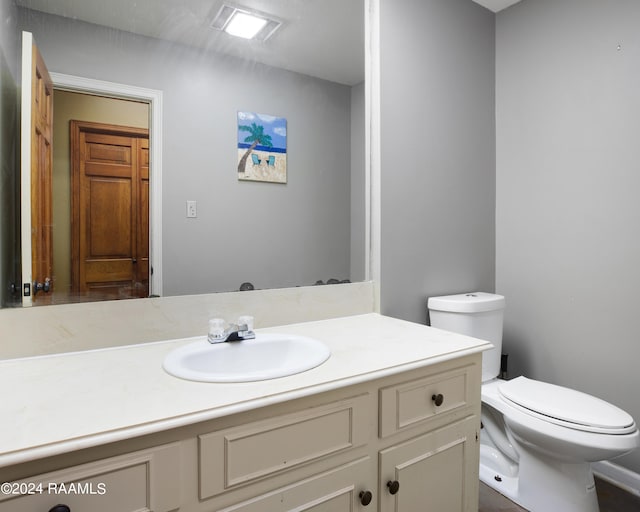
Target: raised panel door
(436, 472)
(110, 216)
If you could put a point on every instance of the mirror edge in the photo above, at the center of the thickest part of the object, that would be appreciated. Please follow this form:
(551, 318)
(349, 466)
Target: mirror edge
(372, 155)
(372, 148)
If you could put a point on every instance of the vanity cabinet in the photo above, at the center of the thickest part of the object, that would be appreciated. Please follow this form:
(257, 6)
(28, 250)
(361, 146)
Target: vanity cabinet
(402, 442)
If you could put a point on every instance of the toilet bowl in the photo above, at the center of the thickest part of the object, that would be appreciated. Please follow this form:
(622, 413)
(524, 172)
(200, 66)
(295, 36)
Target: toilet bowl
(551, 468)
(537, 439)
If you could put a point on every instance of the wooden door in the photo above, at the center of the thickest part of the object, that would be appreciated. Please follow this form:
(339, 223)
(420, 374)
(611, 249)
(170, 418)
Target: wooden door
(37, 165)
(110, 211)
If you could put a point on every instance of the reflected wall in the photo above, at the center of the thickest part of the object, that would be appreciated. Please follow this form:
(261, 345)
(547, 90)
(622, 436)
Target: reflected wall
(269, 234)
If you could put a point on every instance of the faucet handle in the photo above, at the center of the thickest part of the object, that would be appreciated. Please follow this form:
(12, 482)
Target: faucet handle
(216, 328)
(246, 320)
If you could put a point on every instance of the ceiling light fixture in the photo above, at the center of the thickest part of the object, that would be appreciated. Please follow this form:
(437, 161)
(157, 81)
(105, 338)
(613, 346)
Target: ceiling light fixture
(244, 23)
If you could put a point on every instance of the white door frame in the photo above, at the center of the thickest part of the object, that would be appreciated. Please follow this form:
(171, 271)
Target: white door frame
(25, 168)
(154, 98)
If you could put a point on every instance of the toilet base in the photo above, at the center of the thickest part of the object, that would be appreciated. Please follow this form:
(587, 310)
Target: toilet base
(505, 485)
(543, 484)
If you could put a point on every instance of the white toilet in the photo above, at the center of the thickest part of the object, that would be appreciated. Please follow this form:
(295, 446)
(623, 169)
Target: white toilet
(537, 439)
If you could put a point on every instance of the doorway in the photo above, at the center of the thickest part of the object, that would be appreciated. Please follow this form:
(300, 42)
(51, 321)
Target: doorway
(153, 98)
(31, 280)
(106, 257)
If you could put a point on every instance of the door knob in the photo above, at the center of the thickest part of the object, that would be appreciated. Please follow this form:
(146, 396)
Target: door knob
(42, 287)
(438, 399)
(393, 486)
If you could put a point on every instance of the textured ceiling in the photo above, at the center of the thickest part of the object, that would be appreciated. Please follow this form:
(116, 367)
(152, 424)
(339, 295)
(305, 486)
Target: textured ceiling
(321, 38)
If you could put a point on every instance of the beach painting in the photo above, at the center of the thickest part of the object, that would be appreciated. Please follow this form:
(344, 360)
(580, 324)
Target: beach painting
(262, 147)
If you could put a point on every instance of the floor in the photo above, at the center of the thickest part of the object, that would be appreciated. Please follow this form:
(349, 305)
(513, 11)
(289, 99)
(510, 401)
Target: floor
(610, 497)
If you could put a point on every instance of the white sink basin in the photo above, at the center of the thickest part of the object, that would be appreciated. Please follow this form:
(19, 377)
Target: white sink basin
(268, 356)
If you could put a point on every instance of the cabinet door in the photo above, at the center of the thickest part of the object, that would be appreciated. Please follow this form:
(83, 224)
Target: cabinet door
(436, 472)
(137, 482)
(337, 490)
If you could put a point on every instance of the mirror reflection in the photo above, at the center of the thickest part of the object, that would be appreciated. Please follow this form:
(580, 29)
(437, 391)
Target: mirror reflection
(217, 231)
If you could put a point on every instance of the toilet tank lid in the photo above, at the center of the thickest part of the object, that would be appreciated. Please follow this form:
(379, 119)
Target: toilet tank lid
(475, 302)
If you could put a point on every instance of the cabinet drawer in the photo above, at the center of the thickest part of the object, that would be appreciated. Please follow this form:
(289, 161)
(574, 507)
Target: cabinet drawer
(140, 481)
(333, 491)
(409, 403)
(241, 455)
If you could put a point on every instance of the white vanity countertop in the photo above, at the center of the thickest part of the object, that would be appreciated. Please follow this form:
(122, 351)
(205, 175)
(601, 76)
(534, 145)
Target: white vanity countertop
(59, 403)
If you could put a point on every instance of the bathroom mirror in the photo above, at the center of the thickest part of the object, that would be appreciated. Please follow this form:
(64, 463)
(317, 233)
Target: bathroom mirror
(309, 71)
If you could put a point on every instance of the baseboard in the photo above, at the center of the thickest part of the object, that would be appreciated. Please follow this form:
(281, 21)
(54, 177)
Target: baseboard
(618, 476)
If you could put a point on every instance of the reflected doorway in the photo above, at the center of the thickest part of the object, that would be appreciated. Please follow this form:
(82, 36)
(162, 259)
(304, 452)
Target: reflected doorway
(100, 240)
(42, 289)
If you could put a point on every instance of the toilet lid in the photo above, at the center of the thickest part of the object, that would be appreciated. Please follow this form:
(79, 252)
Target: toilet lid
(566, 407)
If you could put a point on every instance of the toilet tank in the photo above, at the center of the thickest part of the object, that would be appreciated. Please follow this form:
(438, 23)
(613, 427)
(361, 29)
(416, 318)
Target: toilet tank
(477, 314)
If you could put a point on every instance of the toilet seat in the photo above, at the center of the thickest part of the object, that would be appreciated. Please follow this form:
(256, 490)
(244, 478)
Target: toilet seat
(565, 407)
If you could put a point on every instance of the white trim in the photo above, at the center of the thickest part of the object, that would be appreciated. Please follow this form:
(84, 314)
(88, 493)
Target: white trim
(154, 97)
(619, 476)
(373, 172)
(25, 165)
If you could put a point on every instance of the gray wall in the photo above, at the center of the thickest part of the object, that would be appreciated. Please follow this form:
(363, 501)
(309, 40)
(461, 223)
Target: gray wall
(568, 182)
(438, 152)
(272, 235)
(9, 177)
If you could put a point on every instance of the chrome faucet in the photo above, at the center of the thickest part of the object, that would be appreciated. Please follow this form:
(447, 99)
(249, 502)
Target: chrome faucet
(243, 330)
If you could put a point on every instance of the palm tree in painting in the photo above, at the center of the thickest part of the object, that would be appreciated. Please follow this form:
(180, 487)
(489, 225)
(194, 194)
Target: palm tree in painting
(256, 136)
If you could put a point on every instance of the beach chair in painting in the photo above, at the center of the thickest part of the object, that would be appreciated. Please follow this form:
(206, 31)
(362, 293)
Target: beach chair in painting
(255, 159)
(271, 161)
